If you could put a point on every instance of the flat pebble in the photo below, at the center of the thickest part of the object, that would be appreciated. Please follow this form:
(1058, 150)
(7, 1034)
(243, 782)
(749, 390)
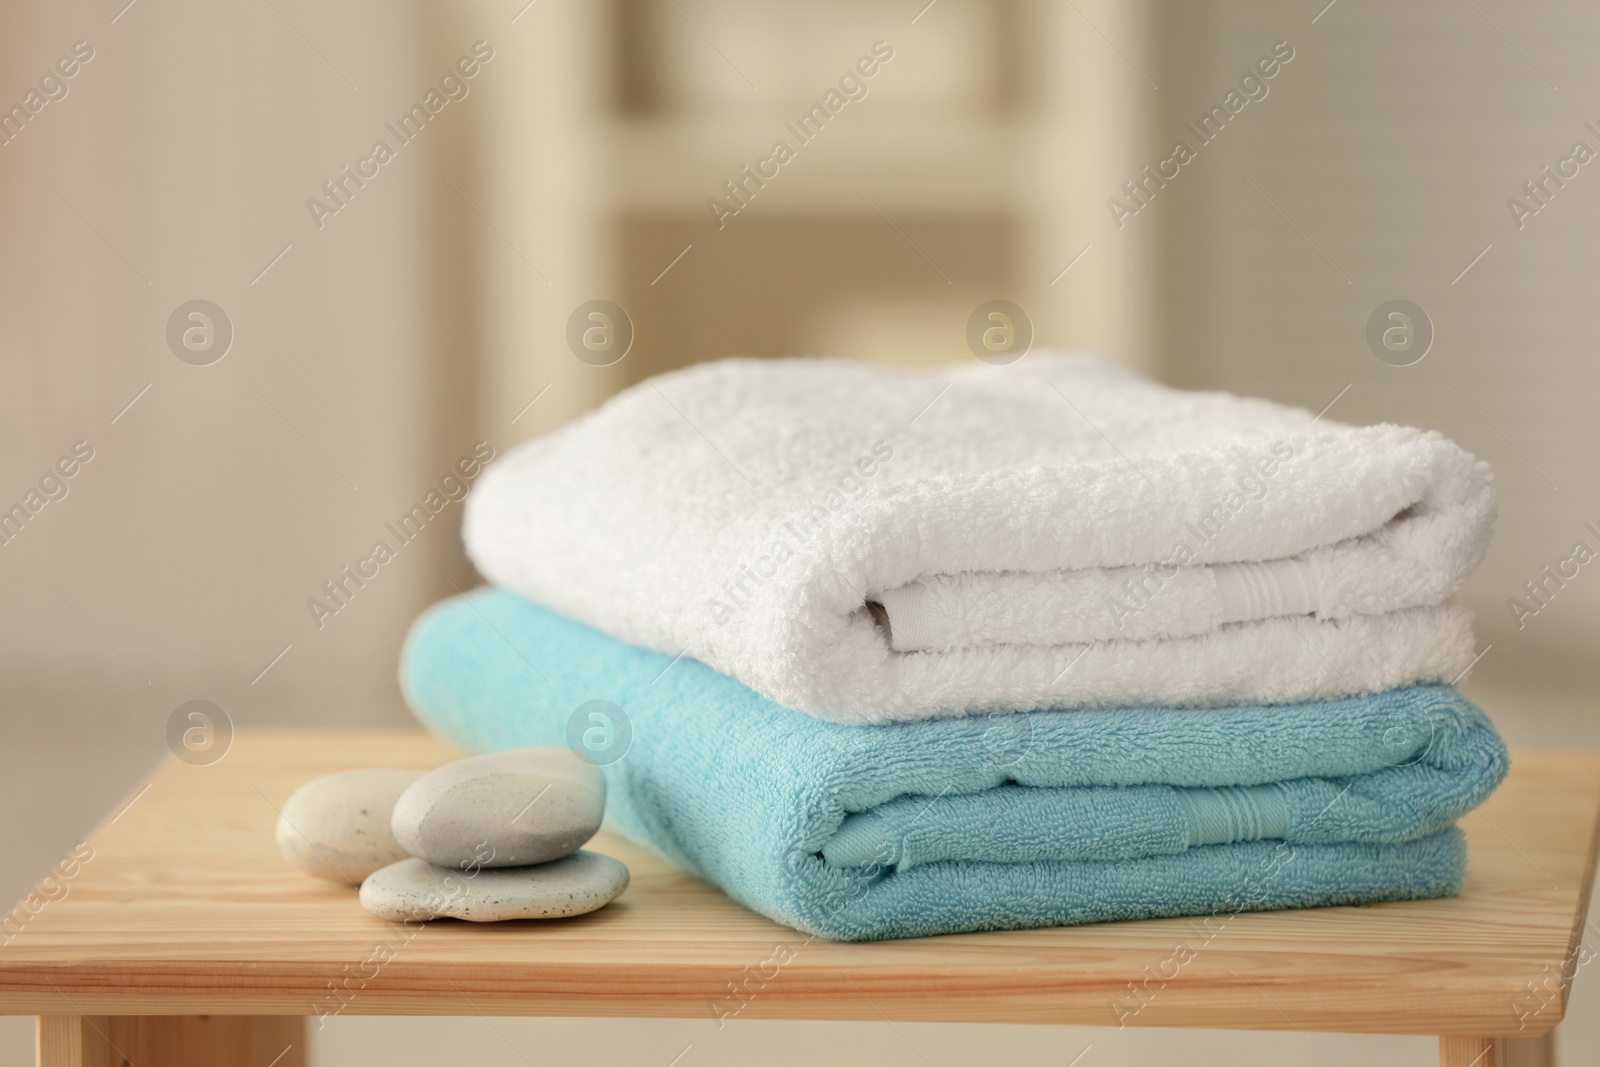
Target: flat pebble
(506, 809)
(338, 826)
(413, 889)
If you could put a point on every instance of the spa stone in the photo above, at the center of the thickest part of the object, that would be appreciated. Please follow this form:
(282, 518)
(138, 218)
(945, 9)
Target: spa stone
(506, 809)
(337, 826)
(415, 890)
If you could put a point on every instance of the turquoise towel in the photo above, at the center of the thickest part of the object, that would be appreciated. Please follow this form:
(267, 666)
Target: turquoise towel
(981, 823)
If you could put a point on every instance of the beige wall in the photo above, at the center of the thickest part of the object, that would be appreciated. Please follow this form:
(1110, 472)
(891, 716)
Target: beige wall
(218, 503)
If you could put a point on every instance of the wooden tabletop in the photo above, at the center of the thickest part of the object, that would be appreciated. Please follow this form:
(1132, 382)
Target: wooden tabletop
(185, 907)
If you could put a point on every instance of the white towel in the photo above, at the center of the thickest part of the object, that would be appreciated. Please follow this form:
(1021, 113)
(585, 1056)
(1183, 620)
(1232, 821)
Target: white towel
(868, 544)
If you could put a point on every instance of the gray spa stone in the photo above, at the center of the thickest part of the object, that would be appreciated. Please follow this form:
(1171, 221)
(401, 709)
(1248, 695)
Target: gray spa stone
(506, 809)
(337, 826)
(572, 885)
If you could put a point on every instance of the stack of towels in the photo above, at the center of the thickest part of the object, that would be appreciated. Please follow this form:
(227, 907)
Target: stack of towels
(917, 653)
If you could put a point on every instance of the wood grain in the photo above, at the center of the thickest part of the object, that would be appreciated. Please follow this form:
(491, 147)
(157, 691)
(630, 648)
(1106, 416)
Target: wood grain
(1457, 1051)
(69, 1041)
(171, 1041)
(185, 907)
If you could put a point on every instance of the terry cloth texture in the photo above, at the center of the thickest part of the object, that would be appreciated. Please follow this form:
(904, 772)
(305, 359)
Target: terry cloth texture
(976, 823)
(868, 544)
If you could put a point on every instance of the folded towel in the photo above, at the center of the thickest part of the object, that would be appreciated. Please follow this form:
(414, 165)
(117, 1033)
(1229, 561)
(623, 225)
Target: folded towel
(871, 544)
(977, 823)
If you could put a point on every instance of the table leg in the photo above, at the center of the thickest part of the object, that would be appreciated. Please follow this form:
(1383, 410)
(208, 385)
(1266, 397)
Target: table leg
(172, 1041)
(1497, 1051)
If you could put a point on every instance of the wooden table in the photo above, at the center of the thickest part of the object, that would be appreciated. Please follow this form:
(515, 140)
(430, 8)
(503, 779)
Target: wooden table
(178, 936)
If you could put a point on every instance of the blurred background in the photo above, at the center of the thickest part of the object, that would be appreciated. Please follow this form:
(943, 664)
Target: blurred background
(370, 317)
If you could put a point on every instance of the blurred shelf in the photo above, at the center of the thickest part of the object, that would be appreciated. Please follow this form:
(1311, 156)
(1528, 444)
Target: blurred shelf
(676, 165)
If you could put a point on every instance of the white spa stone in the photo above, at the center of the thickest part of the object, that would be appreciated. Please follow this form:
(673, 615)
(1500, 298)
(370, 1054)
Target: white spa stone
(337, 826)
(415, 890)
(506, 809)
